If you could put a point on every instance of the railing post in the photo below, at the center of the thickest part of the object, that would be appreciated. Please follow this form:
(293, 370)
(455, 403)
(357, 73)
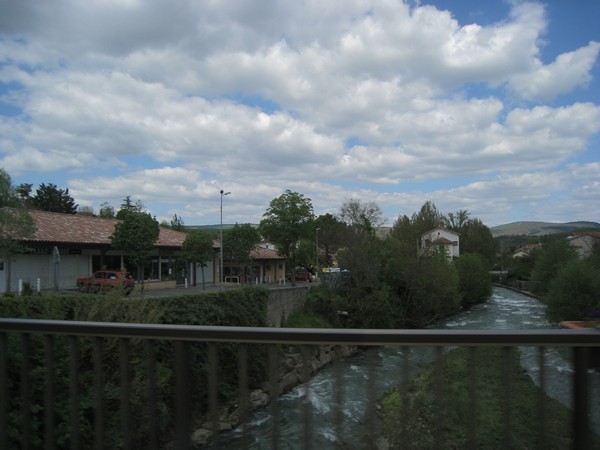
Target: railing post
(581, 430)
(182, 396)
(3, 391)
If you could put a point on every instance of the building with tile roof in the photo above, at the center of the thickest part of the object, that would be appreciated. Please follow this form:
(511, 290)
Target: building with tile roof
(68, 246)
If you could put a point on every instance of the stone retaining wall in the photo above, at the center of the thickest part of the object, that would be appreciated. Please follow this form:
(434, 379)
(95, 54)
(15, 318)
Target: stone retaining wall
(283, 302)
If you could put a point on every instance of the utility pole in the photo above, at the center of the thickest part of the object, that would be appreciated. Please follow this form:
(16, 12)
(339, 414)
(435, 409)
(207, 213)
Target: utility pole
(221, 252)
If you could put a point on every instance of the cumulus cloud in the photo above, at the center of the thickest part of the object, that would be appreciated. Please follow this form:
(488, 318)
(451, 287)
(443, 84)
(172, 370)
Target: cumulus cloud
(322, 97)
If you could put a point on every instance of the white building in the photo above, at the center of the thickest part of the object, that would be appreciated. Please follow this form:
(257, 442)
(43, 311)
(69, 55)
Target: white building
(440, 239)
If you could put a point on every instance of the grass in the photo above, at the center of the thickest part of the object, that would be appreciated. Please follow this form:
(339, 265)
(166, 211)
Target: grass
(306, 318)
(449, 418)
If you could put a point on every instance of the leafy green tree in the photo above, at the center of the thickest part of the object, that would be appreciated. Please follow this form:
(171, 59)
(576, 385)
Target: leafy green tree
(238, 242)
(198, 250)
(330, 231)
(106, 211)
(129, 207)
(15, 223)
(475, 284)
(360, 252)
(136, 234)
(475, 237)
(458, 219)
(48, 197)
(177, 223)
(573, 292)
(288, 220)
(427, 218)
(554, 254)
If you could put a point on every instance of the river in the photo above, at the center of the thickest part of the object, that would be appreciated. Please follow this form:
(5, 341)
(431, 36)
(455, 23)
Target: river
(505, 310)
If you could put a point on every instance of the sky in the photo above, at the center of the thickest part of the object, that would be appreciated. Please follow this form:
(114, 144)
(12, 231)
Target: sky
(491, 107)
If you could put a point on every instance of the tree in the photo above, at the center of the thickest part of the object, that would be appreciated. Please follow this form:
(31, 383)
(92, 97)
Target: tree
(198, 250)
(573, 293)
(129, 207)
(106, 211)
(288, 219)
(458, 219)
(427, 218)
(475, 283)
(329, 232)
(554, 253)
(361, 216)
(136, 234)
(177, 223)
(48, 197)
(15, 223)
(475, 237)
(238, 242)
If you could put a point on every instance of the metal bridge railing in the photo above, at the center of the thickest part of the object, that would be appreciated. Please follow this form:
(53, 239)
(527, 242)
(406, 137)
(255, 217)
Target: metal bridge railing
(39, 409)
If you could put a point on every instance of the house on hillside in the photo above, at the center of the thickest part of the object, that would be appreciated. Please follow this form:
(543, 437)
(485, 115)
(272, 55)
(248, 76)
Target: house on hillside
(440, 239)
(525, 251)
(68, 246)
(584, 242)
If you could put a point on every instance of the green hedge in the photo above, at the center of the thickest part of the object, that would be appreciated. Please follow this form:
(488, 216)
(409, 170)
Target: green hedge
(242, 307)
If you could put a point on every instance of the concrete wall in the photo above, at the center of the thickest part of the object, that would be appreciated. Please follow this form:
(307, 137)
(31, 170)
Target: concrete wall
(283, 302)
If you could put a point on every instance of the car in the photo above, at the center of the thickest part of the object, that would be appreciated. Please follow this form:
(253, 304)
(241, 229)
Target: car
(304, 276)
(106, 279)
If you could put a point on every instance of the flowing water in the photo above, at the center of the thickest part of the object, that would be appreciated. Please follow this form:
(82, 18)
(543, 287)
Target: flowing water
(505, 310)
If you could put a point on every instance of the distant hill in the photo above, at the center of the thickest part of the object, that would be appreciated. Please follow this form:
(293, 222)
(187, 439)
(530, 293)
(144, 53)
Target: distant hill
(541, 228)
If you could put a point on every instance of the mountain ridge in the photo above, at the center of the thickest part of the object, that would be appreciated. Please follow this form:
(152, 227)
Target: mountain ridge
(535, 228)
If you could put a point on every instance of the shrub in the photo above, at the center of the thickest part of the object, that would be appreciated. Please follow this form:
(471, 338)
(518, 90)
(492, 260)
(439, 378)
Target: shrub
(574, 293)
(475, 284)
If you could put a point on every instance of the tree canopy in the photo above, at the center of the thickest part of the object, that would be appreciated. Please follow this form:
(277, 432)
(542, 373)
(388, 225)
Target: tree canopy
(288, 219)
(198, 248)
(136, 234)
(48, 197)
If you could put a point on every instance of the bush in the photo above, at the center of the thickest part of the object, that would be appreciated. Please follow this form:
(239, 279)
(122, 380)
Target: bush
(475, 284)
(242, 307)
(574, 293)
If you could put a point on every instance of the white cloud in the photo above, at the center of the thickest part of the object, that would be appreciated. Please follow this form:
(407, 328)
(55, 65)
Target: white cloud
(324, 97)
(568, 71)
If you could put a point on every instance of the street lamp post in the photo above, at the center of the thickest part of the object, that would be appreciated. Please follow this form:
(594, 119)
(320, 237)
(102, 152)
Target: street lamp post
(221, 252)
(317, 242)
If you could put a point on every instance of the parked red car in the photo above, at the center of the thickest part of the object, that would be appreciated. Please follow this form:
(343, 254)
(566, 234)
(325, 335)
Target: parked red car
(304, 276)
(106, 279)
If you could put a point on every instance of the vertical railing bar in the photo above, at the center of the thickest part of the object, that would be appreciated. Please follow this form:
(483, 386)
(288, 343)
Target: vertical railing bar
(507, 384)
(49, 437)
(26, 391)
(98, 395)
(74, 391)
(125, 393)
(371, 405)
(3, 391)
(473, 412)
(213, 365)
(439, 438)
(404, 437)
(338, 397)
(274, 393)
(182, 397)
(243, 392)
(581, 429)
(542, 396)
(151, 392)
(307, 410)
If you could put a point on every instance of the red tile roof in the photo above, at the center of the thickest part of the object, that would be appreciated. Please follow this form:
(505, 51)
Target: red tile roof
(264, 253)
(82, 229)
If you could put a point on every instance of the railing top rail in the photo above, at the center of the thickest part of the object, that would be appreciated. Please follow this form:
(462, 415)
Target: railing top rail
(259, 335)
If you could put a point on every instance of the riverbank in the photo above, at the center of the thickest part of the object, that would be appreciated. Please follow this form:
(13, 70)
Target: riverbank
(427, 425)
